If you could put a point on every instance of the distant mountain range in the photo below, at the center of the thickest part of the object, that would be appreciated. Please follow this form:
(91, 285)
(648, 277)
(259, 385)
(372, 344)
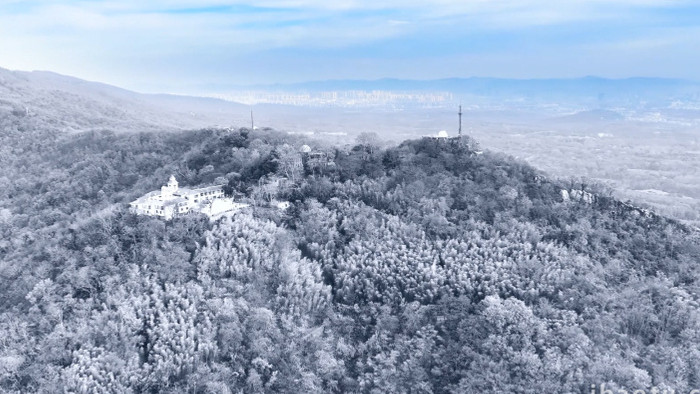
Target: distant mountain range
(477, 84)
(617, 91)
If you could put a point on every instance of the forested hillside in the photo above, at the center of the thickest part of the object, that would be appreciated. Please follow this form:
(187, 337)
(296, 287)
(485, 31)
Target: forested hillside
(421, 268)
(70, 105)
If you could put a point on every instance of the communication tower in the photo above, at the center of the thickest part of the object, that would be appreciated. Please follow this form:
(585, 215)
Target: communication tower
(460, 120)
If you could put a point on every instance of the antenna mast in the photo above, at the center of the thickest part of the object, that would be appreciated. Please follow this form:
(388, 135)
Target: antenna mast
(252, 124)
(460, 120)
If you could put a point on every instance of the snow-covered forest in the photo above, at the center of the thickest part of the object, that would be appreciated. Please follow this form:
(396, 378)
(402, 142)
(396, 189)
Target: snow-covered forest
(421, 267)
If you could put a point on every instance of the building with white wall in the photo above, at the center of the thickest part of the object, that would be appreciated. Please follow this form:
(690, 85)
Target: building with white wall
(173, 200)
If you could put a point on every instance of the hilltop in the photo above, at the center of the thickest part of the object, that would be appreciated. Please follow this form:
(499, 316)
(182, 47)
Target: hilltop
(646, 141)
(420, 266)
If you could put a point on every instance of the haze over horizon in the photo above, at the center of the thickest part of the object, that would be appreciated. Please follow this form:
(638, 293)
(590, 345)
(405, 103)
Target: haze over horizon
(184, 46)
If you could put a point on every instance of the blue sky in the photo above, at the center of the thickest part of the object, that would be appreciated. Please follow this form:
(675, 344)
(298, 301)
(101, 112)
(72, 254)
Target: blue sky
(193, 46)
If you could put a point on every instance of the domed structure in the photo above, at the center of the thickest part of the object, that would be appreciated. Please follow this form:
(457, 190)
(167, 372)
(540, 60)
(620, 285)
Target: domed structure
(305, 149)
(170, 188)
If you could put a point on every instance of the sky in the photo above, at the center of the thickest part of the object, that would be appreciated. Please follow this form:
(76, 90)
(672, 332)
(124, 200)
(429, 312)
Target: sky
(204, 46)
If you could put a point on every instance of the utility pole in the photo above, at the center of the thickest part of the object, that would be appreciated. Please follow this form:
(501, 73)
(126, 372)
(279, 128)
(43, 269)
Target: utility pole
(460, 120)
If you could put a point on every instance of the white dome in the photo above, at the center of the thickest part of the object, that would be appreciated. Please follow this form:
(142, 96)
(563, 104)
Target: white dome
(442, 134)
(305, 149)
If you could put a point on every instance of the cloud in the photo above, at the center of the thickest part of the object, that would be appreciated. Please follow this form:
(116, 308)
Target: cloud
(187, 24)
(130, 40)
(523, 12)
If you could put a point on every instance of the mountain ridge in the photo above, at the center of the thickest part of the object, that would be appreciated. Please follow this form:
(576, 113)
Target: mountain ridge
(587, 85)
(72, 104)
(459, 84)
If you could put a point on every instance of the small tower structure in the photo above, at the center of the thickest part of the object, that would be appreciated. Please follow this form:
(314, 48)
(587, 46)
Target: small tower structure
(460, 120)
(169, 189)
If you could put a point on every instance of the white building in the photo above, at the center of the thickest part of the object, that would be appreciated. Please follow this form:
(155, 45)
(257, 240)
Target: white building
(173, 200)
(442, 135)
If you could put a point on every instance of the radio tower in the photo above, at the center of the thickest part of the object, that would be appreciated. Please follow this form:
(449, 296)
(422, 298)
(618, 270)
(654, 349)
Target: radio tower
(460, 120)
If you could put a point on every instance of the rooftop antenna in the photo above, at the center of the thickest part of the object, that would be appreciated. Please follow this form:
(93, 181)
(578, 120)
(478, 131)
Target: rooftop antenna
(252, 124)
(460, 120)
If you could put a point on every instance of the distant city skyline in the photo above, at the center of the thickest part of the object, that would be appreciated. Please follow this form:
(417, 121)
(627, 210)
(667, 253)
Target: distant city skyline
(187, 46)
